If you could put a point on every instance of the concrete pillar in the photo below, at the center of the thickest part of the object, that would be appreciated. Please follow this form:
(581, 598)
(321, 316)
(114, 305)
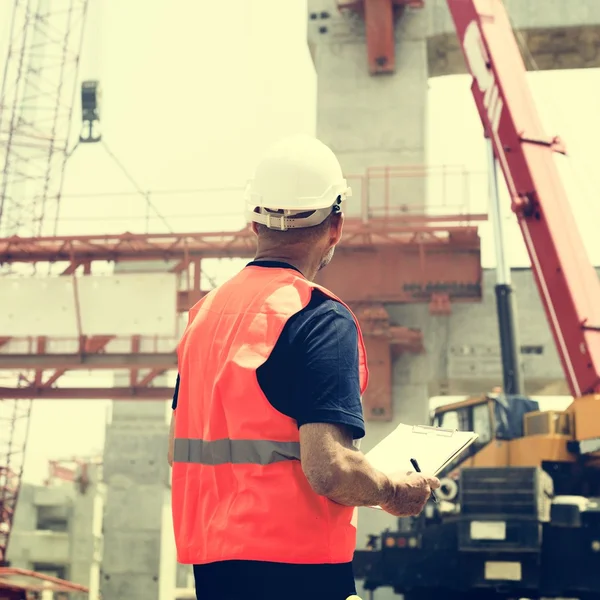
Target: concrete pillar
(136, 474)
(85, 533)
(371, 121)
(376, 121)
(24, 523)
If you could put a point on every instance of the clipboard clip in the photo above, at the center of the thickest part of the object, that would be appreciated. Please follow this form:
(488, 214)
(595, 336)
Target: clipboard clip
(429, 429)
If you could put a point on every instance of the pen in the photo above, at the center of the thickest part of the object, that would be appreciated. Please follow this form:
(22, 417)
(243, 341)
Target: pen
(415, 464)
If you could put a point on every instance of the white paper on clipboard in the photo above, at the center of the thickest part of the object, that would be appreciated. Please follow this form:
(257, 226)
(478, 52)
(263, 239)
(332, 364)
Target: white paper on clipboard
(432, 447)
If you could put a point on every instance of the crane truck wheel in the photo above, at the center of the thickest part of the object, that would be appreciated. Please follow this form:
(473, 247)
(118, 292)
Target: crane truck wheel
(448, 489)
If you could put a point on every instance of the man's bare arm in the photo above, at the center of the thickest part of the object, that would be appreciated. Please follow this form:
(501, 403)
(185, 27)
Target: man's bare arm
(336, 469)
(171, 439)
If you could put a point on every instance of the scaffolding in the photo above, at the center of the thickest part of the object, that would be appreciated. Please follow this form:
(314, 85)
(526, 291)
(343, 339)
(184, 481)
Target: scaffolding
(14, 428)
(36, 104)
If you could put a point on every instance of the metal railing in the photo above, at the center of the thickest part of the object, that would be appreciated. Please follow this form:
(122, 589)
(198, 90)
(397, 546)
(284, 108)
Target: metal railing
(418, 192)
(421, 191)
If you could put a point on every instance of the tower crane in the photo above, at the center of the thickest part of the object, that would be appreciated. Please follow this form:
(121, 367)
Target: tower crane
(36, 104)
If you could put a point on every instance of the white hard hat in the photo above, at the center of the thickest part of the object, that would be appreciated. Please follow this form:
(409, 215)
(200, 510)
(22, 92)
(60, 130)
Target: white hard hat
(297, 175)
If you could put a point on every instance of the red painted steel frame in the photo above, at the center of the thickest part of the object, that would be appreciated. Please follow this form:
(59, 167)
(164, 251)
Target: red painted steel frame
(417, 229)
(567, 282)
(23, 580)
(380, 17)
(402, 255)
(439, 256)
(88, 393)
(381, 43)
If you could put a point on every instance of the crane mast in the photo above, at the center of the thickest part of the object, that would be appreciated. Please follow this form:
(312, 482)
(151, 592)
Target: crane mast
(37, 93)
(567, 282)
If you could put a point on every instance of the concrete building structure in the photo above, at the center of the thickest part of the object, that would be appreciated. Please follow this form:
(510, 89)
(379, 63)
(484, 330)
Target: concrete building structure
(369, 122)
(58, 531)
(61, 531)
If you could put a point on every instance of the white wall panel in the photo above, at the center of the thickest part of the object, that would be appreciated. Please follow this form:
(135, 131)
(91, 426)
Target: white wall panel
(144, 304)
(131, 304)
(37, 307)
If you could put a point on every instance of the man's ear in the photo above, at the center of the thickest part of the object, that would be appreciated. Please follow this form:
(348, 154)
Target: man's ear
(254, 228)
(335, 228)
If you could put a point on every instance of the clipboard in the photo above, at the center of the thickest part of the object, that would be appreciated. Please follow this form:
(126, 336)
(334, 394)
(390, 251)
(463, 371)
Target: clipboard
(432, 447)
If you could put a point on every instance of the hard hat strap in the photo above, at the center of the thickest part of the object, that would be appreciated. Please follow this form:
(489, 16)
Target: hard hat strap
(287, 219)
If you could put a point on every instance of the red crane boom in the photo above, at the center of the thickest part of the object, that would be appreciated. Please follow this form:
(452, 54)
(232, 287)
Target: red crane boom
(567, 282)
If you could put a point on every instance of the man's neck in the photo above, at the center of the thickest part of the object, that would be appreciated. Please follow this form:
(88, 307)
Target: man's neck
(304, 266)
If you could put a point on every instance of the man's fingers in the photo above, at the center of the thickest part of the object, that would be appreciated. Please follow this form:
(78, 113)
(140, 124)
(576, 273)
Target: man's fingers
(433, 482)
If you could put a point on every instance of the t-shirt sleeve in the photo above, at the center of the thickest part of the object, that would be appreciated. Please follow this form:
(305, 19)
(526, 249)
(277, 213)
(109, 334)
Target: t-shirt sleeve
(327, 387)
(175, 393)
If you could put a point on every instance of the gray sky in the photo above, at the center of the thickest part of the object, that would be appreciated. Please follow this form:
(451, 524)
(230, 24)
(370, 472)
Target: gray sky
(192, 92)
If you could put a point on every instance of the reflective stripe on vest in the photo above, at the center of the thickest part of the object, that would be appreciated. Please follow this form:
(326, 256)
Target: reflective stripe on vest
(237, 452)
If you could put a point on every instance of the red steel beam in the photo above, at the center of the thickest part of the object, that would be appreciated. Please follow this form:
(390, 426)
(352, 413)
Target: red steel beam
(99, 393)
(381, 39)
(105, 360)
(92, 344)
(41, 349)
(27, 580)
(153, 374)
(135, 348)
(380, 25)
(241, 244)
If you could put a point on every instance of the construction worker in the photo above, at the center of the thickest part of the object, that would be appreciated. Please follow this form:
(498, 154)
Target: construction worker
(267, 407)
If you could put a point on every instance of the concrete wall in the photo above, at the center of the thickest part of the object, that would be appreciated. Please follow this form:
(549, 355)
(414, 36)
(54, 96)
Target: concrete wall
(556, 34)
(136, 475)
(31, 545)
(463, 349)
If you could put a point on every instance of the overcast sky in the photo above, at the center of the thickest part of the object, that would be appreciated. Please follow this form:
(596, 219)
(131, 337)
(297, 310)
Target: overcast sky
(193, 91)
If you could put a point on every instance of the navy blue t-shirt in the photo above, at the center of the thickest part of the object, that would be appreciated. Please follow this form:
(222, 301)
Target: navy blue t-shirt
(312, 377)
(312, 372)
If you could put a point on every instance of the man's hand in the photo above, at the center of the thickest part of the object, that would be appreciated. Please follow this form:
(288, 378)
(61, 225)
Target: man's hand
(336, 469)
(409, 494)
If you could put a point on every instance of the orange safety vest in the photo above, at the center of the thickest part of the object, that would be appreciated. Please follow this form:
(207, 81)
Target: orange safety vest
(238, 489)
